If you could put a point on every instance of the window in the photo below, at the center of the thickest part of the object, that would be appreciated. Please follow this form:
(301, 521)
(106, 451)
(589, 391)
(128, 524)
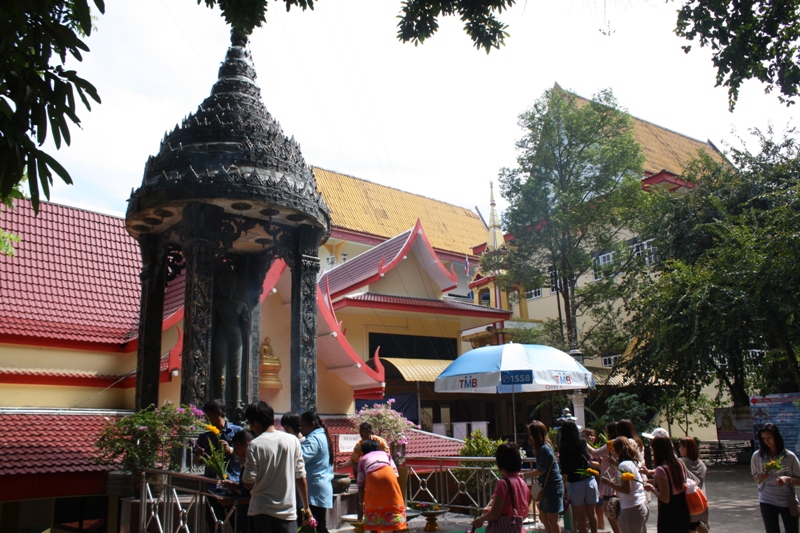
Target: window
(602, 265)
(646, 250)
(555, 283)
(413, 346)
(609, 360)
(535, 293)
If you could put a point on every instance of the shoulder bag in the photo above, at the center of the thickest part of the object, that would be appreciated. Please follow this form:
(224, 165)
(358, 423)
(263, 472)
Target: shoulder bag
(696, 499)
(539, 493)
(507, 524)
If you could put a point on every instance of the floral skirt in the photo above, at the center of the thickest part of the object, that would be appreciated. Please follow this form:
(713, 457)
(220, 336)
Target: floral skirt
(384, 509)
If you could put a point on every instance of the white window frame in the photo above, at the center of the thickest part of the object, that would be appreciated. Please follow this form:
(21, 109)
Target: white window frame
(533, 294)
(646, 249)
(601, 264)
(609, 360)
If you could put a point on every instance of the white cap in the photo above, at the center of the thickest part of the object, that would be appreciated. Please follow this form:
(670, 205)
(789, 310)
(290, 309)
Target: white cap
(658, 432)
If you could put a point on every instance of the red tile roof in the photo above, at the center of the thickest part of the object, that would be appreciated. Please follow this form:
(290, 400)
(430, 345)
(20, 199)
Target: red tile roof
(75, 276)
(371, 265)
(420, 443)
(50, 443)
(362, 267)
(425, 305)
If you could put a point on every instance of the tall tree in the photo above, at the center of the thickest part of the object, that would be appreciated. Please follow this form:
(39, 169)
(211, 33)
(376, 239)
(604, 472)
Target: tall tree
(722, 304)
(574, 194)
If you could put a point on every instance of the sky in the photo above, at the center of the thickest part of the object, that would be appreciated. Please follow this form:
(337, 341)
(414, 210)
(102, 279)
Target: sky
(439, 119)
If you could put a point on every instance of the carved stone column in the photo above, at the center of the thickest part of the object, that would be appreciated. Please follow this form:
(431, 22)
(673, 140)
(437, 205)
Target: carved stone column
(148, 357)
(200, 247)
(578, 400)
(305, 267)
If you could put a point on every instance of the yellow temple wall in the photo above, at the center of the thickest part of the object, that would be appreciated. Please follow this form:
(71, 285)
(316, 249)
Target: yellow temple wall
(45, 358)
(407, 279)
(276, 324)
(62, 397)
(334, 395)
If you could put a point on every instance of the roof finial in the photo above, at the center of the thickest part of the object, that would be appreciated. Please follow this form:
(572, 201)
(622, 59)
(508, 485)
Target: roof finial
(495, 239)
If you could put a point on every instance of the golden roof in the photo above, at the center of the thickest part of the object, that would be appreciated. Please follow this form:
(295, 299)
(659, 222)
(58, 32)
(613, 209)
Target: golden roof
(365, 207)
(665, 149)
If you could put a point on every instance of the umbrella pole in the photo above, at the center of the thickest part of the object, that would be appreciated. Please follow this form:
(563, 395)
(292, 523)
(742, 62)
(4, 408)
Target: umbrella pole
(514, 412)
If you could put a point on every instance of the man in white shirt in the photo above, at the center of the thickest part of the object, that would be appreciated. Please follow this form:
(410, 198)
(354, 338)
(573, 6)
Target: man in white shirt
(273, 471)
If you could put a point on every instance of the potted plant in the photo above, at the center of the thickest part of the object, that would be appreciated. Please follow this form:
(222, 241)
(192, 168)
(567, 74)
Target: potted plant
(150, 438)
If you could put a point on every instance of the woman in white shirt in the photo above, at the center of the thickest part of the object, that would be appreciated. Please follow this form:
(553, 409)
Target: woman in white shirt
(630, 491)
(775, 469)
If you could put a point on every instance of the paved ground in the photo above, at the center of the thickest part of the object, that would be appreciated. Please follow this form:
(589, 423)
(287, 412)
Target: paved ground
(731, 494)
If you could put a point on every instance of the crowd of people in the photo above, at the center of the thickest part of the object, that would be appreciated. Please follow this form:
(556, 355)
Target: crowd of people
(282, 479)
(270, 472)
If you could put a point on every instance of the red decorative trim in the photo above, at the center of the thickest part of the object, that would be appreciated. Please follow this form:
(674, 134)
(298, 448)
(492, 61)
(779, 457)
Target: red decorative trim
(415, 308)
(480, 281)
(663, 177)
(274, 274)
(330, 318)
(368, 394)
(83, 346)
(52, 485)
(416, 232)
(58, 379)
(374, 240)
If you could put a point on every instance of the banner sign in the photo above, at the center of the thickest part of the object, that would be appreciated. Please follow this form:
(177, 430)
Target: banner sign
(347, 443)
(781, 410)
(734, 423)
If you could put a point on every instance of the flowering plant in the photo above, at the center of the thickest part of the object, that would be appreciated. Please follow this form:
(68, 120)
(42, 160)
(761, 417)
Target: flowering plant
(149, 438)
(773, 465)
(385, 421)
(215, 461)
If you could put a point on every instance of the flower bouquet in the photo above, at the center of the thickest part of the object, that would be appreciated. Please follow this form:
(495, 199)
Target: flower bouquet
(587, 472)
(628, 476)
(424, 506)
(309, 523)
(773, 465)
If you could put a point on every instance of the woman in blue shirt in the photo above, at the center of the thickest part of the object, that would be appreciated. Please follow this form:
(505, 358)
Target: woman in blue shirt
(318, 456)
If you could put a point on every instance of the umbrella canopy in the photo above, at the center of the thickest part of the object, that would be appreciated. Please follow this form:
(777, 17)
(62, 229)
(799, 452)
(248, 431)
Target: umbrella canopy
(514, 368)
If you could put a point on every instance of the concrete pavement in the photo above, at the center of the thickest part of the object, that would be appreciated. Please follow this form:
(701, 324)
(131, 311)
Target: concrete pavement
(732, 496)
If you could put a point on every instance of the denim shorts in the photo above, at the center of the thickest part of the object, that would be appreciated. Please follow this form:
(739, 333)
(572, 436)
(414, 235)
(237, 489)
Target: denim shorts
(552, 500)
(583, 492)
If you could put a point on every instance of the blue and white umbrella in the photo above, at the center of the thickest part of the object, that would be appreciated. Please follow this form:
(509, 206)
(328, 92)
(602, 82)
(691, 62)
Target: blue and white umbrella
(513, 368)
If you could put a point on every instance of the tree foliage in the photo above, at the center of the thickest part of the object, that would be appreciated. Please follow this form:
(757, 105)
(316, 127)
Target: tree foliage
(749, 40)
(723, 305)
(36, 93)
(624, 406)
(575, 189)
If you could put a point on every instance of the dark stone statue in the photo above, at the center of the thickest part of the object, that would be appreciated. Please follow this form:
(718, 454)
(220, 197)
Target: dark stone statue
(231, 333)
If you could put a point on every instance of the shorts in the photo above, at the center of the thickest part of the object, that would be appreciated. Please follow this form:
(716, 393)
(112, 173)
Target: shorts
(600, 501)
(552, 501)
(583, 492)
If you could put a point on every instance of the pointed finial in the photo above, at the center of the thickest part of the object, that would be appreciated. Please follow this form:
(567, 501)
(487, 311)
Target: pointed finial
(495, 237)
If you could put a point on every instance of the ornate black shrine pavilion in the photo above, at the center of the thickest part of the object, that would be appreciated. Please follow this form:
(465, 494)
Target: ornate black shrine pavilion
(227, 194)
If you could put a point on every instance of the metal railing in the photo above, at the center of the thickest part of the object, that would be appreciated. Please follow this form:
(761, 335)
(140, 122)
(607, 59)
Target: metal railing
(462, 484)
(175, 502)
